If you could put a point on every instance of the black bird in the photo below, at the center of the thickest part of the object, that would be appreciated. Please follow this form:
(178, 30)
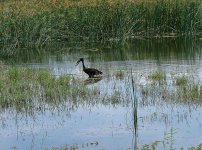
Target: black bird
(90, 71)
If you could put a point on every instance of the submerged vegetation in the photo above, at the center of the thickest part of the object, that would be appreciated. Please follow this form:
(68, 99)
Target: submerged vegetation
(37, 23)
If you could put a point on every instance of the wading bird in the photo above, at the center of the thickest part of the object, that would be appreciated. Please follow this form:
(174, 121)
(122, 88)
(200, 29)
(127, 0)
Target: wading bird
(90, 71)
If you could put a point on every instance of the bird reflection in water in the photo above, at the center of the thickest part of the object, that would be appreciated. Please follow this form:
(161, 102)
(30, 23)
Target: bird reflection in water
(90, 81)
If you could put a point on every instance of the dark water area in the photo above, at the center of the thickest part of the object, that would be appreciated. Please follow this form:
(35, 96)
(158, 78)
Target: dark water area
(110, 120)
(155, 49)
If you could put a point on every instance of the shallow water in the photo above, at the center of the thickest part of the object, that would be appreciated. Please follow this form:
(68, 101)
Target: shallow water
(106, 121)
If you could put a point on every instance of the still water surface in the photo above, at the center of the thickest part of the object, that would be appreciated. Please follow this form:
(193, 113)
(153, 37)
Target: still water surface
(107, 121)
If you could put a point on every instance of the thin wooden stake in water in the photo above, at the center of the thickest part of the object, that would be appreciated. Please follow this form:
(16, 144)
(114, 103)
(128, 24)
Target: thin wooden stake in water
(134, 106)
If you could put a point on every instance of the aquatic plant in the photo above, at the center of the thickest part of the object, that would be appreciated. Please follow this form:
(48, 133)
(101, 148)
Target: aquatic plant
(119, 75)
(27, 89)
(179, 89)
(181, 80)
(199, 147)
(101, 21)
(167, 143)
(23, 87)
(157, 75)
(191, 92)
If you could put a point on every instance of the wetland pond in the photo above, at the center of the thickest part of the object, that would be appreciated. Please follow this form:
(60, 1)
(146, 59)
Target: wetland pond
(128, 108)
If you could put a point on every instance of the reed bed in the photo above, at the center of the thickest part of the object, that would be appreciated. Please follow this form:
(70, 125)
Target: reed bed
(37, 23)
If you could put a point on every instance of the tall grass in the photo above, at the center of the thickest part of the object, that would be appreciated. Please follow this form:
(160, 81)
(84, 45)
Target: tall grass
(101, 21)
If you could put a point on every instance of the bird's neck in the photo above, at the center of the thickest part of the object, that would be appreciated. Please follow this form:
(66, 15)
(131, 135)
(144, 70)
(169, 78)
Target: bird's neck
(83, 65)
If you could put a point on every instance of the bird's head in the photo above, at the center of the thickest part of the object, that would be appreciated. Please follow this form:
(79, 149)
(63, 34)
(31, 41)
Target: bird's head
(81, 59)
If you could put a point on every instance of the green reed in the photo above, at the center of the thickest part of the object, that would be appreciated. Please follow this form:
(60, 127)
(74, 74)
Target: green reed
(27, 90)
(181, 80)
(100, 22)
(157, 75)
(167, 143)
(177, 89)
(21, 88)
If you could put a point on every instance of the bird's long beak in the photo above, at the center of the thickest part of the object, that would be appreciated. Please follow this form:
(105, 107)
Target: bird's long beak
(77, 62)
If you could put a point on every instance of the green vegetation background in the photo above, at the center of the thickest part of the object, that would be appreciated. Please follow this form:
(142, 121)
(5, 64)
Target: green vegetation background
(40, 22)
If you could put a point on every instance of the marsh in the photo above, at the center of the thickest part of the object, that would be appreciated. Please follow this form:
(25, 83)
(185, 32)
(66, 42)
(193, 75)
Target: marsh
(47, 101)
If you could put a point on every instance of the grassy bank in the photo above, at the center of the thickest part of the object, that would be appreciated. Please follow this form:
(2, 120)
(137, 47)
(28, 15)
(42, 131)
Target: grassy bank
(36, 23)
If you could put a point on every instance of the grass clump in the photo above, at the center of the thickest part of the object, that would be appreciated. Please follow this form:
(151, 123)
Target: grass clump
(178, 89)
(1, 85)
(157, 75)
(187, 89)
(119, 75)
(191, 92)
(181, 80)
(13, 74)
(199, 147)
(167, 143)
